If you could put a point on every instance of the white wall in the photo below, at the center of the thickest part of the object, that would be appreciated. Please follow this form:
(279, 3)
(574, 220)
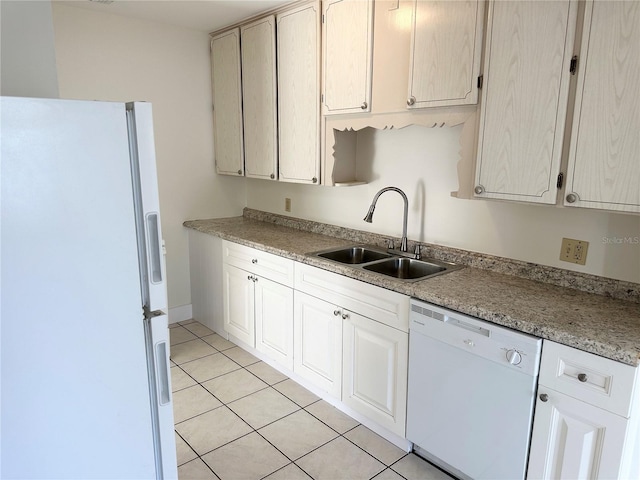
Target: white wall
(422, 162)
(108, 57)
(27, 52)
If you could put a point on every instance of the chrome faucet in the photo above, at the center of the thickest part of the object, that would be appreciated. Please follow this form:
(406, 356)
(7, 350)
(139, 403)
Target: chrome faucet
(369, 217)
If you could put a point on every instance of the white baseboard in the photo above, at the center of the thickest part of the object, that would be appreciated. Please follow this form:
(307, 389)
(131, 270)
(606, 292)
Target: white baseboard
(181, 313)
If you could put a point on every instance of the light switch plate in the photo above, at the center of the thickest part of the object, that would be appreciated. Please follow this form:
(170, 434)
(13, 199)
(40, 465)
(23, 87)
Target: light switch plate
(574, 251)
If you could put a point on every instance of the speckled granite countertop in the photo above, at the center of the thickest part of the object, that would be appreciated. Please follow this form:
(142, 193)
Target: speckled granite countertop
(598, 324)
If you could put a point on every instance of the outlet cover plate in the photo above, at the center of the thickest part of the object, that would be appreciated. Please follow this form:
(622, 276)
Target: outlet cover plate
(574, 251)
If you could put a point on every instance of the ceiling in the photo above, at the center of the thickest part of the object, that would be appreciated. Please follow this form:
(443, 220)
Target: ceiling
(203, 15)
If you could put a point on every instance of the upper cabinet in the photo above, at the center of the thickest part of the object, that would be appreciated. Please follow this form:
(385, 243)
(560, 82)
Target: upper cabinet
(298, 47)
(347, 55)
(446, 45)
(227, 103)
(604, 164)
(259, 98)
(526, 85)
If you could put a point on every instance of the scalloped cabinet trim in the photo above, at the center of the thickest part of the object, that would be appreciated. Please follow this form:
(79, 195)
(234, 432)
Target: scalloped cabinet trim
(340, 135)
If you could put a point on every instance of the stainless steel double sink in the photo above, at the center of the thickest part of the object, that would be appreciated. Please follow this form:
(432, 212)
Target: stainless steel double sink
(387, 263)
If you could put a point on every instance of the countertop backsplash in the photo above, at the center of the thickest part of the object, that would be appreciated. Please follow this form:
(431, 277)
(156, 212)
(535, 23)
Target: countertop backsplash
(555, 276)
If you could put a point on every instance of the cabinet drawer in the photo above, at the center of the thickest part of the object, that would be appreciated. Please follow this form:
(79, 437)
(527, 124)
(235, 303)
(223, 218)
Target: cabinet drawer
(261, 263)
(595, 380)
(383, 305)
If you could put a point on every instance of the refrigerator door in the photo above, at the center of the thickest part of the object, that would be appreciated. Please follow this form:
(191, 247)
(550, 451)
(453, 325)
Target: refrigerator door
(147, 205)
(75, 378)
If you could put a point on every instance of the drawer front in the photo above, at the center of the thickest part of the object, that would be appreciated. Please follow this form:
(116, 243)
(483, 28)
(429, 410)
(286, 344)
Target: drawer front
(598, 381)
(385, 306)
(261, 263)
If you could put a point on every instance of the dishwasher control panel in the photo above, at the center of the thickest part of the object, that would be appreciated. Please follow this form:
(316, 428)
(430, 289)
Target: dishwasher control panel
(502, 345)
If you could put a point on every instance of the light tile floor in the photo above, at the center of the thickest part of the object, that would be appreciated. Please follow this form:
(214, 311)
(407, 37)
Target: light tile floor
(238, 418)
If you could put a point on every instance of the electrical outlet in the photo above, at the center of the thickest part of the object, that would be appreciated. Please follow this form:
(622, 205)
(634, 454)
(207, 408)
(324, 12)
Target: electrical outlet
(287, 204)
(574, 251)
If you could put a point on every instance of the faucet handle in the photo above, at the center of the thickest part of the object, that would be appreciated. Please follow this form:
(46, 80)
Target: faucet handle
(390, 245)
(418, 252)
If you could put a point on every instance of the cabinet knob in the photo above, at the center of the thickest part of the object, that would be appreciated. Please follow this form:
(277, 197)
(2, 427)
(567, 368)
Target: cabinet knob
(544, 397)
(239, 172)
(364, 105)
(272, 176)
(479, 189)
(582, 377)
(314, 179)
(254, 260)
(572, 197)
(345, 316)
(411, 101)
(336, 312)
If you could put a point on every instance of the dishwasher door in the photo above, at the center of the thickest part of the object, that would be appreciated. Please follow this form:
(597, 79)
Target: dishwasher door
(469, 407)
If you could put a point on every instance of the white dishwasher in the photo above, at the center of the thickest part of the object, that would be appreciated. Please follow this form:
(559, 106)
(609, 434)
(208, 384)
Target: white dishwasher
(472, 387)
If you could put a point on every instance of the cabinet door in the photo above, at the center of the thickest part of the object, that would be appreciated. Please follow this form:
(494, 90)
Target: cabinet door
(574, 440)
(317, 345)
(348, 40)
(374, 374)
(227, 103)
(239, 304)
(299, 94)
(524, 99)
(604, 167)
(445, 53)
(274, 321)
(259, 98)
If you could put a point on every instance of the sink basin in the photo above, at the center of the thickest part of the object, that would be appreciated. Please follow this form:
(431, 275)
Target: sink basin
(354, 255)
(387, 263)
(405, 268)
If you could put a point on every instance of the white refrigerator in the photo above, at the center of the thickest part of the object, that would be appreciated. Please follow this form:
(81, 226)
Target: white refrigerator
(85, 383)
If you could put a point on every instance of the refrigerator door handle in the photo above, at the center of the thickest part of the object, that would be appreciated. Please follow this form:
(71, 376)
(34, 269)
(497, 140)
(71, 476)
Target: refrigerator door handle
(154, 247)
(162, 374)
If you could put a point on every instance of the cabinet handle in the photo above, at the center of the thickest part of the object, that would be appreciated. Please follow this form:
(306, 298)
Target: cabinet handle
(572, 197)
(314, 179)
(479, 189)
(254, 260)
(411, 101)
(249, 277)
(336, 312)
(345, 316)
(582, 377)
(544, 397)
(239, 172)
(364, 106)
(272, 176)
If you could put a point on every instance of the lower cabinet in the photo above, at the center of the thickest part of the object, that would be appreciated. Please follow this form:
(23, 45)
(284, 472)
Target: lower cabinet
(273, 306)
(317, 342)
(258, 300)
(374, 370)
(586, 421)
(354, 358)
(239, 302)
(572, 439)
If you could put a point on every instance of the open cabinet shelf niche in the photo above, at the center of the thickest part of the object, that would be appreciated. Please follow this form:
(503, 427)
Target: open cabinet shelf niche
(343, 139)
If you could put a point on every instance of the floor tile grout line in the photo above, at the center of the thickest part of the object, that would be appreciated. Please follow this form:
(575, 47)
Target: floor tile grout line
(370, 454)
(282, 468)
